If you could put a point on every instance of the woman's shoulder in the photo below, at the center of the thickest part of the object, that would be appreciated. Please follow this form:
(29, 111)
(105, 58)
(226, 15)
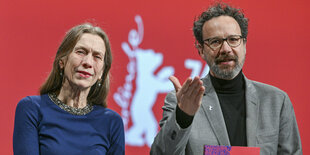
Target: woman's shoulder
(34, 100)
(31, 102)
(28, 109)
(106, 112)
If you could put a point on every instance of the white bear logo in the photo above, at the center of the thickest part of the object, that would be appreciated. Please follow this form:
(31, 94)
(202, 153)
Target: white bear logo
(143, 63)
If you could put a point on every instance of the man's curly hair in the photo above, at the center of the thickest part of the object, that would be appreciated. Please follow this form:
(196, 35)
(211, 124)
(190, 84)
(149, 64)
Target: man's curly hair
(220, 9)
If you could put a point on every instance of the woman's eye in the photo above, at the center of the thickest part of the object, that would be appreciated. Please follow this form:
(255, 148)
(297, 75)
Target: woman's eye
(98, 57)
(80, 52)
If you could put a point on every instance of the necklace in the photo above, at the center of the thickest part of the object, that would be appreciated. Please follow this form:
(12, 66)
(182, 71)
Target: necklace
(72, 110)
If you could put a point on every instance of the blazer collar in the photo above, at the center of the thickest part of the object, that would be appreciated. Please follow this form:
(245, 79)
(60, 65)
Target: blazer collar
(252, 107)
(212, 109)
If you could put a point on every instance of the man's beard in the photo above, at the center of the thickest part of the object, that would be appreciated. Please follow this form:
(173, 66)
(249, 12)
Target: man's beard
(226, 72)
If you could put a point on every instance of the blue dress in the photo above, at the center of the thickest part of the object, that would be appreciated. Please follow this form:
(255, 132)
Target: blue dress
(43, 128)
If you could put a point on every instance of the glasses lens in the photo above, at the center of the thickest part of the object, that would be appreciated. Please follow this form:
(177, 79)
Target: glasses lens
(215, 43)
(234, 41)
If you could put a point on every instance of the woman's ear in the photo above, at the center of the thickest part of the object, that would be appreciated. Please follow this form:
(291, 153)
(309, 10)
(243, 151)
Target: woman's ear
(101, 74)
(61, 64)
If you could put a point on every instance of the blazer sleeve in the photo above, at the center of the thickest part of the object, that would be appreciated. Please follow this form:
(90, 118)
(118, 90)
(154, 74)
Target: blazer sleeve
(289, 139)
(25, 136)
(171, 139)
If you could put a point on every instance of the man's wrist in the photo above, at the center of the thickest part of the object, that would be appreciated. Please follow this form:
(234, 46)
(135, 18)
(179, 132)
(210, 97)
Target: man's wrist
(184, 120)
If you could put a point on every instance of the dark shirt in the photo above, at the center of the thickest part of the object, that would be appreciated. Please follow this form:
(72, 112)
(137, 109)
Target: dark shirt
(231, 94)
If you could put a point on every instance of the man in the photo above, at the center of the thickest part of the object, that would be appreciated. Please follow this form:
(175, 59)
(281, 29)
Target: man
(225, 108)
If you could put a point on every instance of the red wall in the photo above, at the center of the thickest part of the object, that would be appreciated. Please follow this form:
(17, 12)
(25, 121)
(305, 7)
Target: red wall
(277, 50)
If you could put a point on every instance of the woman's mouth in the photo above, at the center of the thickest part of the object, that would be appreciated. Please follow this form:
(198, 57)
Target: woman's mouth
(84, 74)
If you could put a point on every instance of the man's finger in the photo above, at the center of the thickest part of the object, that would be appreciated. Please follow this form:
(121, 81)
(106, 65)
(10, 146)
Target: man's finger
(196, 87)
(199, 96)
(193, 86)
(186, 85)
(176, 83)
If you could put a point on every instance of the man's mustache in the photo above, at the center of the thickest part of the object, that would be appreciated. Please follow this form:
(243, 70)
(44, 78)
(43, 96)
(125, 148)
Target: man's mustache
(226, 57)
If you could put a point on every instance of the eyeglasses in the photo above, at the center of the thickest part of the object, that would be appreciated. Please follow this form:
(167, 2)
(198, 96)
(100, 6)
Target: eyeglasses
(216, 43)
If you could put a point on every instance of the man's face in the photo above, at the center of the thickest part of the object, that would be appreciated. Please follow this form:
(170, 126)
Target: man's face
(225, 62)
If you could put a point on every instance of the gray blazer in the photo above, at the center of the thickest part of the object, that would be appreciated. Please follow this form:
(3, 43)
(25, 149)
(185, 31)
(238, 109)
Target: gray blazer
(270, 123)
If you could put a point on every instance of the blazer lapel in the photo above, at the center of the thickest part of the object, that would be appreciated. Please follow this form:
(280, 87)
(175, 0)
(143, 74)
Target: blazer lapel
(252, 107)
(212, 109)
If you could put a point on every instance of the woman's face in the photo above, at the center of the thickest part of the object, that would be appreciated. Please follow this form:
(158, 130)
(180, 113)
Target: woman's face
(84, 65)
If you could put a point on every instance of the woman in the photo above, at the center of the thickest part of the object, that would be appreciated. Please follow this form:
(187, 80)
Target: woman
(70, 115)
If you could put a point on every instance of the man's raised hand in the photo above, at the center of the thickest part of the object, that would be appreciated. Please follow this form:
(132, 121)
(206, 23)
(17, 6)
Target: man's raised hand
(189, 95)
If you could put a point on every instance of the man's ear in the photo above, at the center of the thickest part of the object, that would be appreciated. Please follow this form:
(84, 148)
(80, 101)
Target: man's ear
(200, 49)
(244, 44)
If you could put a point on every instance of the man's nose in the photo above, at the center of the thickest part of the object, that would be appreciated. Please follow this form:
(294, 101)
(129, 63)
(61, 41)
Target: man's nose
(225, 48)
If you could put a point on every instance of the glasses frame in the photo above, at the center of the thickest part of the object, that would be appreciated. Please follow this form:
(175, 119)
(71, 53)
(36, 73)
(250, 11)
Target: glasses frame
(223, 39)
